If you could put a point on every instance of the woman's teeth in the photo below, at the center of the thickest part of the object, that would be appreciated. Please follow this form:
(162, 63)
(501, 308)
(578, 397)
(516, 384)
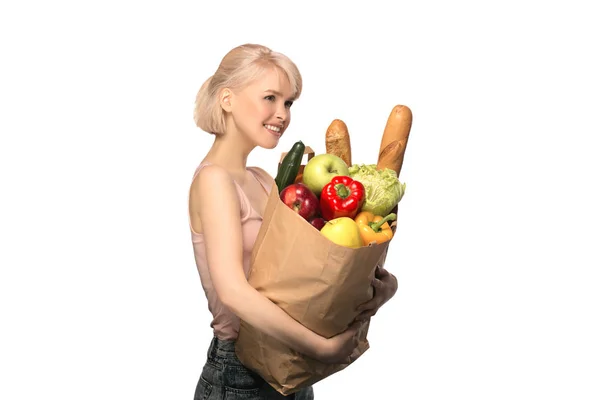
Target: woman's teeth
(273, 128)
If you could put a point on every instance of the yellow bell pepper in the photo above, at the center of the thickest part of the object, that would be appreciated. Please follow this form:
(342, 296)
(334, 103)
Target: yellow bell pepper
(374, 228)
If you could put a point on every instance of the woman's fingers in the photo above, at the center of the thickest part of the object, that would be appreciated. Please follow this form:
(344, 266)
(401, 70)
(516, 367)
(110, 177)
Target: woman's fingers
(381, 272)
(377, 283)
(367, 306)
(372, 304)
(365, 315)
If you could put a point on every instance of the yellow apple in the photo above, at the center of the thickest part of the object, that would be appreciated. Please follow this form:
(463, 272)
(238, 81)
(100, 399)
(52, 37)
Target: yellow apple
(343, 231)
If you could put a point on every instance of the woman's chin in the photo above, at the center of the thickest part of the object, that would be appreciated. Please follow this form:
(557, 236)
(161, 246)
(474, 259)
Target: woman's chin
(270, 145)
(269, 142)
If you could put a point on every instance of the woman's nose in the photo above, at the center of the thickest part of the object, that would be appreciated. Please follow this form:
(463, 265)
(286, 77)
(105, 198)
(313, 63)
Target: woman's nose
(281, 114)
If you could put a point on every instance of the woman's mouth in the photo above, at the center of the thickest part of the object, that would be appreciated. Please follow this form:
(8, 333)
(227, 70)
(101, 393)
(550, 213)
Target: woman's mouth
(275, 130)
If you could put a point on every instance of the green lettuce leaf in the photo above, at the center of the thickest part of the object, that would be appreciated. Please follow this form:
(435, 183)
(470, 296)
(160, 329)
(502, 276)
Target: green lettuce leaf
(383, 190)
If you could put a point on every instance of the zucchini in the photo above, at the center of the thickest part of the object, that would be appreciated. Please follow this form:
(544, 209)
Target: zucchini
(290, 165)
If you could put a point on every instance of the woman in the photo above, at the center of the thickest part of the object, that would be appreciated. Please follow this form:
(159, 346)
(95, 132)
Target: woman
(246, 104)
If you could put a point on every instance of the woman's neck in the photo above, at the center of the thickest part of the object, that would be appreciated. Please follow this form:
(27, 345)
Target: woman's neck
(229, 153)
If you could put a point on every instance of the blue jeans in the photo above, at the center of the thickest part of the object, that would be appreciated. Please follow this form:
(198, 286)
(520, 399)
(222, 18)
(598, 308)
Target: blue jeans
(224, 377)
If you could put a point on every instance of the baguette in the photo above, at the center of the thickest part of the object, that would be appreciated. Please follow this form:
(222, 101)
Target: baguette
(395, 139)
(390, 157)
(337, 141)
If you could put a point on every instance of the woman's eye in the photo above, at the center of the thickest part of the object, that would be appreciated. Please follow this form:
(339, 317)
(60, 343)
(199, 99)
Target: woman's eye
(270, 97)
(288, 104)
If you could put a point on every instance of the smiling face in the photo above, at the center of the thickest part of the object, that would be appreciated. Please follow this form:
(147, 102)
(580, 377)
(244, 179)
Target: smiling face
(261, 111)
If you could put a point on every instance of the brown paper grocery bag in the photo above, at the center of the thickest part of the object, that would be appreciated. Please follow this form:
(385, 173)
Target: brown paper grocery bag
(314, 280)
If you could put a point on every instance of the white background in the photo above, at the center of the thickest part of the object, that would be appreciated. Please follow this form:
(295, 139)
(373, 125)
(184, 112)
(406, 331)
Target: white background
(497, 247)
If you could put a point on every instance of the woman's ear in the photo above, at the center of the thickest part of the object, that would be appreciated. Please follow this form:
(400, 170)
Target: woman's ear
(225, 100)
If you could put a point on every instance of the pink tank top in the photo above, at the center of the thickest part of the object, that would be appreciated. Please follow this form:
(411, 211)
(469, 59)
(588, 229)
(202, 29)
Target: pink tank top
(225, 324)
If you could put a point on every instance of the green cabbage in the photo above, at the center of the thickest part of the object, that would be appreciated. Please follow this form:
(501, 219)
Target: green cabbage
(383, 190)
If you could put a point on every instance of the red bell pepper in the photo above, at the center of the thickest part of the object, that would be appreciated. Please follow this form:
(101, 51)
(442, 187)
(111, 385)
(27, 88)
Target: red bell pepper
(341, 197)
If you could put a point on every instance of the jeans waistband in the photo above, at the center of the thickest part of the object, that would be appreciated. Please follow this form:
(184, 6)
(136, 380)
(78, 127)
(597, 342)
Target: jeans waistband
(223, 348)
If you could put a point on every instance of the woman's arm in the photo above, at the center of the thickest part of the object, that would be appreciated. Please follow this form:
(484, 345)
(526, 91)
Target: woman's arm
(219, 212)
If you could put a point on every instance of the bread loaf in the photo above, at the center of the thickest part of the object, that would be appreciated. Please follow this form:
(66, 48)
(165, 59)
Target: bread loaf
(395, 139)
(337, 141)
(391, 157)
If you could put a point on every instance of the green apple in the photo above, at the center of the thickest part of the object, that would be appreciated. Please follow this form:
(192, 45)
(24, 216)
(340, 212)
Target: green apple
(343, 231)
(321, 169)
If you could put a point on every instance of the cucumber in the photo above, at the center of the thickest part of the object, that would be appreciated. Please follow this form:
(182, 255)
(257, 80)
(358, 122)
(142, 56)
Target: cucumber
(290, 165)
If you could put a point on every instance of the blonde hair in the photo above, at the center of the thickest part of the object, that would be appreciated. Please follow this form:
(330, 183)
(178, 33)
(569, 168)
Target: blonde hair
(239, 68)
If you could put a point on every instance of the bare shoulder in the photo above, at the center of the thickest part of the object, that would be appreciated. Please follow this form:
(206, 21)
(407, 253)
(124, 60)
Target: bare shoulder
(213, 181)
(212, 189)
(210, 174)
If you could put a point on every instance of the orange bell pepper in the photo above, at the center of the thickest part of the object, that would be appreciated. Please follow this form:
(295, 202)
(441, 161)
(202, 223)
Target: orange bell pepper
(374, 228)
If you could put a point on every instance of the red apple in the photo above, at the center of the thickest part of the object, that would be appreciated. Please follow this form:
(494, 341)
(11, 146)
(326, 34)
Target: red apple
(317, 222)
(301, 200)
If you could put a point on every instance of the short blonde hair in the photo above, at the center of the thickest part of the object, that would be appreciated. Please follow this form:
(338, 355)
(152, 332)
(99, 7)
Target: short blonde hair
(239, 68)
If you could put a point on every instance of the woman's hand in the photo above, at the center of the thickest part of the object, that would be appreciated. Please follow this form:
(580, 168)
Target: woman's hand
(385, 286)
(339, 348)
